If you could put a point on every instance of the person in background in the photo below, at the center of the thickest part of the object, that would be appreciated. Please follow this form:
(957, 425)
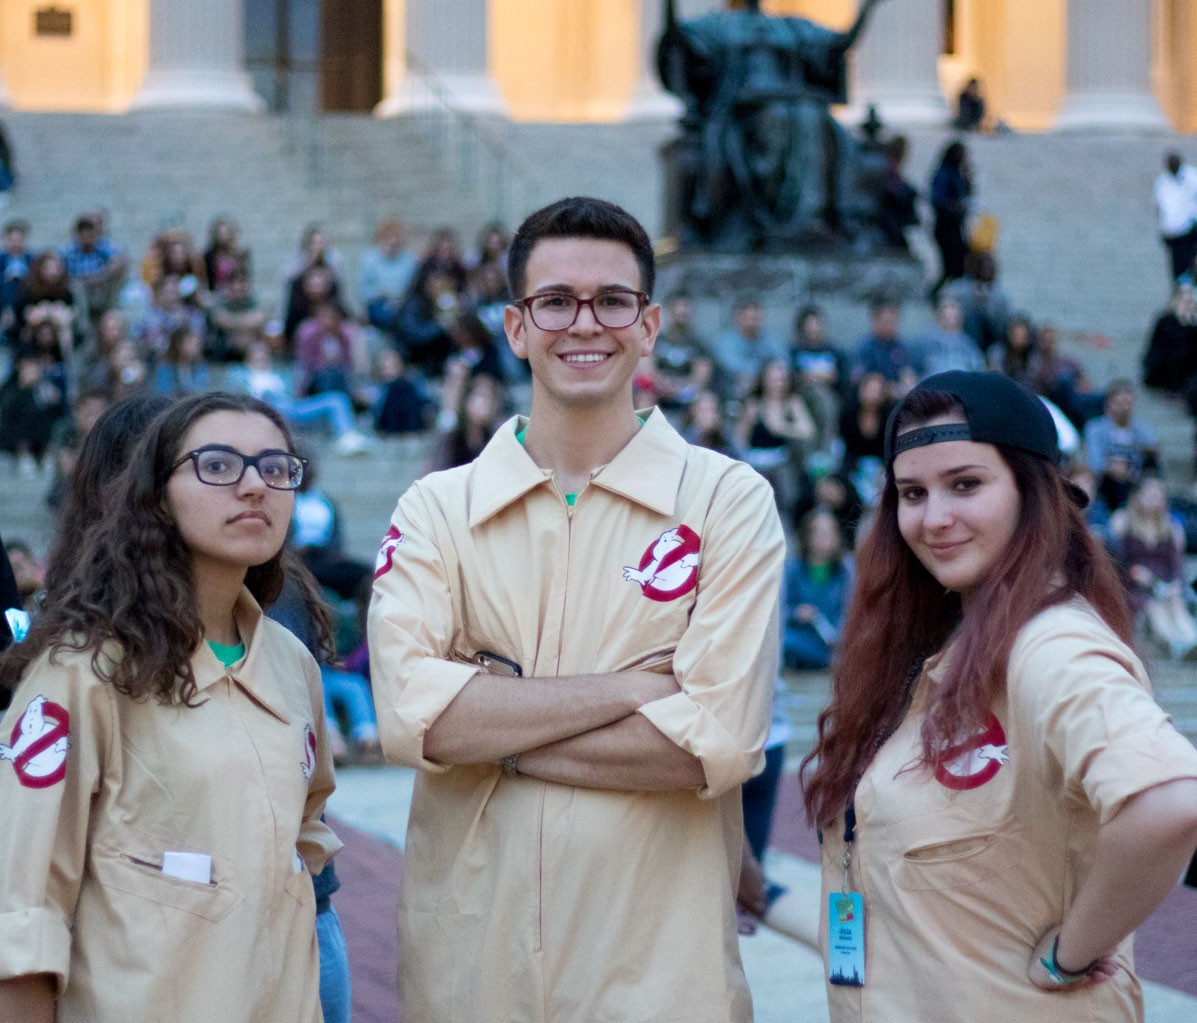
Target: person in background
(1062, 380)
(68, 437)
(471, 410)
(168, 312)
(102, 452)
(1119, 445)
(1150, 547)
(985, 692)
(818, 586)
(236, 319)
(1017, 356)
(260, 378)
(490, 248)
(384, 276)
(329, 353)
(182, 369)
(225, 258)
(1176, 204)
(31, 402)
(1170, 360)
(8, 168)
(970, 107)
(951, 197)
(404, 405)
(947, 346)
(742, 351)
(822, 369)
(424, 321)
(15, 261)
(705, 425)
(862, 421)
(314, 287)
(172, 253)
(898, 203)
(775, 430)
(984, 301)
(679, 365)
(883, 351)
(97, 263)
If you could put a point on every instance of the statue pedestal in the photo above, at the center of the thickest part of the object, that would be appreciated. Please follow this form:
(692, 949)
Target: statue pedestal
(841, 284)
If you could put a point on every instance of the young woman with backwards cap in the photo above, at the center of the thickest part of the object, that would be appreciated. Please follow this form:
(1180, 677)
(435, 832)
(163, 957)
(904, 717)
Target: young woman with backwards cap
(1000, 800)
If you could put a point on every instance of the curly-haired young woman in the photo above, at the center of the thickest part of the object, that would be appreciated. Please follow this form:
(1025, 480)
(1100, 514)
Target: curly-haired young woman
(164, 762)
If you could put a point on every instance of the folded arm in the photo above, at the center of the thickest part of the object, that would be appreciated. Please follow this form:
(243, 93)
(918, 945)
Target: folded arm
(630, 754)
(494, 716)
(29, 999)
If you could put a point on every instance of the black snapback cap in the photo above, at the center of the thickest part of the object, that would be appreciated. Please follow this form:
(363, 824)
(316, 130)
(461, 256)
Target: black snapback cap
(997, 409)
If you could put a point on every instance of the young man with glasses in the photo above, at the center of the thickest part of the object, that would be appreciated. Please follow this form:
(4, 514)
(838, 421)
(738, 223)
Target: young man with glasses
(574, 638)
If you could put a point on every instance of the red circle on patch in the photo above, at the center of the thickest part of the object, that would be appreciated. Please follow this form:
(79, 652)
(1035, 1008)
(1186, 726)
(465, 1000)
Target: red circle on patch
(972, 763)
(386, 552)
(689, 546)
(35, 765)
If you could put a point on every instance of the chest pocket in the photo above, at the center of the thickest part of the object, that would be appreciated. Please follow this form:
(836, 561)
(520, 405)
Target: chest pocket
(135, 868)
(948, 850)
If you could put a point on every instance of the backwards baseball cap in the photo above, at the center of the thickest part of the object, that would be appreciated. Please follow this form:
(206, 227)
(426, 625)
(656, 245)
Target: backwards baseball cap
(997, 410)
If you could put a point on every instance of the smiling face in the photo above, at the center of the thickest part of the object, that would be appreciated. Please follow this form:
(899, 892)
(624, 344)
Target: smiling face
(229, 529)
(958, 508)
(586, 365)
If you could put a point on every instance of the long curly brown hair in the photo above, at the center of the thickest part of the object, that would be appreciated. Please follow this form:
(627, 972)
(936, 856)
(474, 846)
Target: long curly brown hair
(900, 615)
(130, 582)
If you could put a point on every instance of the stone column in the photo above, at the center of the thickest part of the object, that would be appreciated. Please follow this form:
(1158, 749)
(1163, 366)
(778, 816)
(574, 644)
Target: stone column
(5, 99)
(197, 56)
(649, 100)
(1109, 68)
(448, 39)
(896, 64)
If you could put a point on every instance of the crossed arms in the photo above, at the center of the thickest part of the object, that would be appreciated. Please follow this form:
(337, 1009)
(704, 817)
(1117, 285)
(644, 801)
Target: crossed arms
(577, 730)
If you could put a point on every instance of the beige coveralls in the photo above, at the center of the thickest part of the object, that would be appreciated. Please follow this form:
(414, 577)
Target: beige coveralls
(963, 872)
(525, 900)
(97, 787)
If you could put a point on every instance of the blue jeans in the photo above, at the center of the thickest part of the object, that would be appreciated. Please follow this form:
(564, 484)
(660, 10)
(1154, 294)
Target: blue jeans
(758, 796)
(332, 407)
(804, 649)
(350, 694)
(334, 968)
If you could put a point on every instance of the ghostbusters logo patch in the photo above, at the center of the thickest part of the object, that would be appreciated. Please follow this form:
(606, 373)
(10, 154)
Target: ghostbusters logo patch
(307, 766)
(40, 742)
(972, 763)
(669, 568)
(386, 553)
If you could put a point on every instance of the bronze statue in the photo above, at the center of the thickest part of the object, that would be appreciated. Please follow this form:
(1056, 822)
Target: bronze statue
(761, 164)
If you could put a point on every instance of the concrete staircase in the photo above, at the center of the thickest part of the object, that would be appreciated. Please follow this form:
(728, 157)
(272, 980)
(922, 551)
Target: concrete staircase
(272, 175)
(1077, 244)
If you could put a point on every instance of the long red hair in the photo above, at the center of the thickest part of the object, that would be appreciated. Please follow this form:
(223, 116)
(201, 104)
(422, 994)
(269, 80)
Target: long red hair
(900, 615)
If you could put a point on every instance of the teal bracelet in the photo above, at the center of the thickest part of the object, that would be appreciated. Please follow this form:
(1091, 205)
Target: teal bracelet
(1061, 975)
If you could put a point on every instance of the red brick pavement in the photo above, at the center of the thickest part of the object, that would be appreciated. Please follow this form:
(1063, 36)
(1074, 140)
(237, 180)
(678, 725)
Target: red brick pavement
(369, 869)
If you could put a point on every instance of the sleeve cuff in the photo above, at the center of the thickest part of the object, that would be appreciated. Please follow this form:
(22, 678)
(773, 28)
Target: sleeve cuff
(1123, 772)
(431, 687)
(317, 845)
(34, 941)
(699, 732)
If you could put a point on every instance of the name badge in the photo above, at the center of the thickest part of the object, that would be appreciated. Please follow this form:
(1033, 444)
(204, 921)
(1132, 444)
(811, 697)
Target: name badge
(845, 939)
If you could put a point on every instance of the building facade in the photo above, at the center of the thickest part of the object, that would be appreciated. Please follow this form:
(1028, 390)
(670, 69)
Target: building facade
(1045, 64)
